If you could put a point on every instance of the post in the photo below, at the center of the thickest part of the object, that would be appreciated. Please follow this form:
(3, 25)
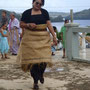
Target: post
(83, 45)
(72, 42)
(71, 15)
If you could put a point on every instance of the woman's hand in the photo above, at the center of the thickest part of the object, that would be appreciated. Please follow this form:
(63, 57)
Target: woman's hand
(55, 40)
(27, 25)
(31, 25)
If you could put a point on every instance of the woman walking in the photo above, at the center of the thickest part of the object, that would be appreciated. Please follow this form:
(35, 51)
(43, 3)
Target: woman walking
(63, 32)
(14, 32)
(35, 48)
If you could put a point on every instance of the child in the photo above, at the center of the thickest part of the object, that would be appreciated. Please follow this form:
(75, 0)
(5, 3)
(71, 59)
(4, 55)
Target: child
(4, 47)
(52, 44)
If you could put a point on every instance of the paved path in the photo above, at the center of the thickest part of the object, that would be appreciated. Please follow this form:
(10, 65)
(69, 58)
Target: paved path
(64, 75)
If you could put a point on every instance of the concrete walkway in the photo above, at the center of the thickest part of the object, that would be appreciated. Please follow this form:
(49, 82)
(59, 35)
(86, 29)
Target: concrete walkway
(64, 75)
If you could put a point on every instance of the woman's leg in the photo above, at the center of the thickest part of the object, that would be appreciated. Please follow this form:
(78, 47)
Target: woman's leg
(34, 73)
(42, 69)
(37, 71)
(2, 56)
(63, 53)
(15, 48)
(6, 56)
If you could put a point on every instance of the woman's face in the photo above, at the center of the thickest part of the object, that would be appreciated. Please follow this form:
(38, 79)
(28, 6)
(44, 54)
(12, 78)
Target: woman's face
(37, 4)
(12, 17)
(3, 14)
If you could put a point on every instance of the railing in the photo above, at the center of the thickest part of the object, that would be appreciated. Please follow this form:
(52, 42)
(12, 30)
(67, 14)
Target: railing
(72, 41)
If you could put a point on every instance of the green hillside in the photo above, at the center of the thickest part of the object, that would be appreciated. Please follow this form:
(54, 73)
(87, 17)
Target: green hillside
(82, 15)
(8, 14)
(58, 16)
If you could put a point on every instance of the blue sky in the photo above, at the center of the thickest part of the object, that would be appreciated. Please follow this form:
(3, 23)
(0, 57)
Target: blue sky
(50, 5)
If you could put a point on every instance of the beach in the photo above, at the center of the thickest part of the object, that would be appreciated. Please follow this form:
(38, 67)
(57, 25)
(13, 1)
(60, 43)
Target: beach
(64, 75)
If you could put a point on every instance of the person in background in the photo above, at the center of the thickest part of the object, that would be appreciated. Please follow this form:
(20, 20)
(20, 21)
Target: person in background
(53, 48)
(63, 31)
(4, 47)
(14, 34)
(4, 19)
(35, 48)
(52, 44)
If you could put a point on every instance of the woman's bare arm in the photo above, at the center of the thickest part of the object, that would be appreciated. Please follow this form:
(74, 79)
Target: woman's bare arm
(4, 35)
(52, 31)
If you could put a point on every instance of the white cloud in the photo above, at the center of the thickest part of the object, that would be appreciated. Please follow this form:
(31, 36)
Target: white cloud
(50, 5)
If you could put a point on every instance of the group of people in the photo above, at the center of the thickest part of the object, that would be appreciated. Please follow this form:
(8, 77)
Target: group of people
(34, 53)
(9, 35)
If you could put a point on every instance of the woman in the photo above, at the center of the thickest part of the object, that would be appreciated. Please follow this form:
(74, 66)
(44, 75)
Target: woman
(4, 19)
(14, 31)
(35, 48)
(63, 31)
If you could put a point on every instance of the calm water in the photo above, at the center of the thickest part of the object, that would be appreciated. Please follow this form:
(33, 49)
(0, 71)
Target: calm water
(82, 23)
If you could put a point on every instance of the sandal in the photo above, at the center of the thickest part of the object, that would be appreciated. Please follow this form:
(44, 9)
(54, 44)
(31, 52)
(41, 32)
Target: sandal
(53, 54)
(63, 57)
(7, 58)
(42, 80)
(36, 87)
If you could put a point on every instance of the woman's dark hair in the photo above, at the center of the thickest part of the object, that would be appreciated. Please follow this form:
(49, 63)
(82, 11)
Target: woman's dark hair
(42, 2)
(3, 25)
(66, 20)
(54, 27)
(4, 12)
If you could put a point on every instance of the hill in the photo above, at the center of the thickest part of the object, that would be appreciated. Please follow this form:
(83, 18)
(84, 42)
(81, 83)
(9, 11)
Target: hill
(54, 17)
(58, 16)
(82, 15)
(8, 14)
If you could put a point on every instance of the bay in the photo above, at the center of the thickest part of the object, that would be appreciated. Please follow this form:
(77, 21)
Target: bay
(82, 23)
